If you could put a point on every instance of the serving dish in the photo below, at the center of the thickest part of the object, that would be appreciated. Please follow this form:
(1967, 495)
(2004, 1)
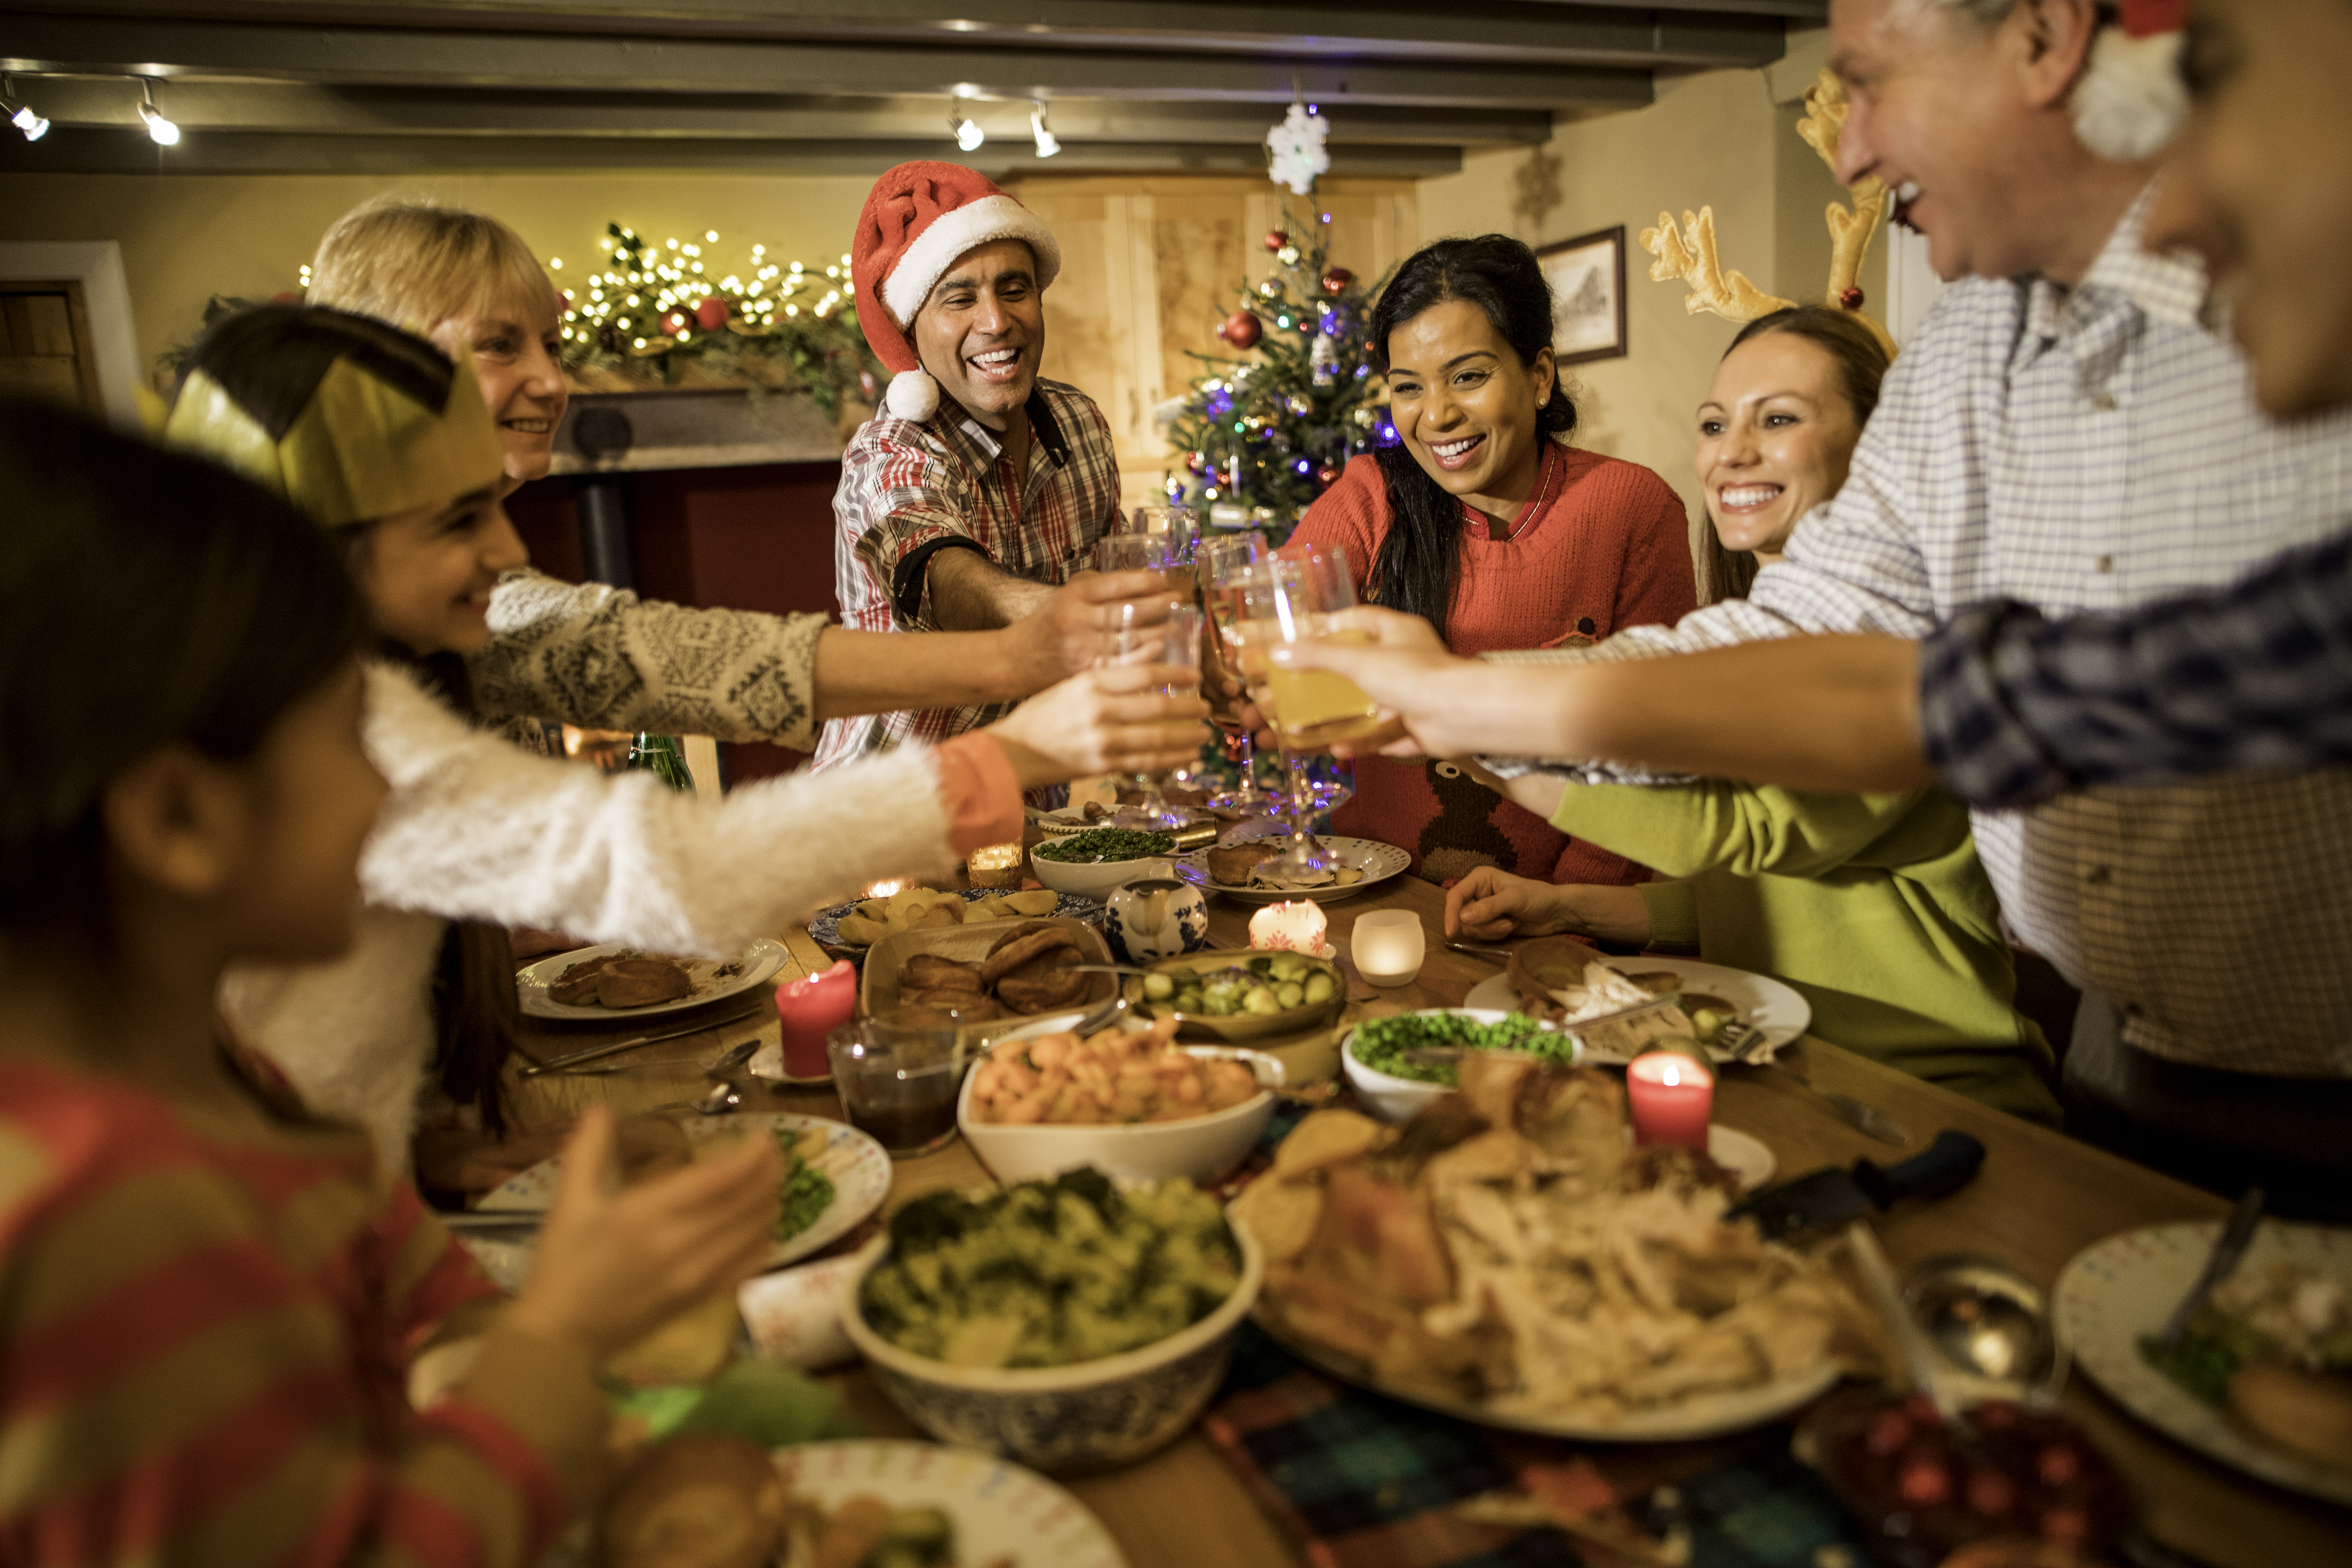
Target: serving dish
(1774, 1007)
(1203, 1149)
(1098, 878)
(877, 985)
(825, 929)
(1087, 1416)
(713, 980)
(1377, 861)
(1242, 1028)
(1002, 1512)
(2115, 1291)
(1394, 1099)
(856, 1165)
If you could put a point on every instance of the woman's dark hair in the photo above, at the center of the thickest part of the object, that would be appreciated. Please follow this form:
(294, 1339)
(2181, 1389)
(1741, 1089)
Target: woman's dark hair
(1862, 363)
(147, 599)
(1422, 555)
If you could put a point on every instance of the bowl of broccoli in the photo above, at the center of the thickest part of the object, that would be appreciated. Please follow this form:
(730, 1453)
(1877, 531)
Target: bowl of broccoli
(1072, 1324)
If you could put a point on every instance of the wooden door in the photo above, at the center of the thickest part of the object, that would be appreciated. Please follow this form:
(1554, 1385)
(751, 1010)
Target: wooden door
(45, 345)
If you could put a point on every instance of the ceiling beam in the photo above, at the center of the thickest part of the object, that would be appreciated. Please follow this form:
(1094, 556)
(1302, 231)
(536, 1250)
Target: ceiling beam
(81, 151)
(1558, 30)
(399, 57)
(200, 105)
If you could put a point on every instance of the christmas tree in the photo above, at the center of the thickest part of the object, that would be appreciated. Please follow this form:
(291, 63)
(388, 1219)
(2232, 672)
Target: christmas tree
(1261, 438)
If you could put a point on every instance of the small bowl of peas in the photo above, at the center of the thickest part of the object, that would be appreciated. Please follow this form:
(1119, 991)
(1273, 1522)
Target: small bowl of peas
(1239, 997)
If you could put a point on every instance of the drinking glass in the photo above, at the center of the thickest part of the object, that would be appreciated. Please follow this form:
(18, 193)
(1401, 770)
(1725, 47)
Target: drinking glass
(898, 1075)
(1175, 641)
(1223, 563)
(1177, 533)
(1293, 601)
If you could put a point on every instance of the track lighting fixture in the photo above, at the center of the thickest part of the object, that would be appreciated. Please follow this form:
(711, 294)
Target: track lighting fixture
(968, 133)
(23, 116)
(1047, 142)
(160, 131)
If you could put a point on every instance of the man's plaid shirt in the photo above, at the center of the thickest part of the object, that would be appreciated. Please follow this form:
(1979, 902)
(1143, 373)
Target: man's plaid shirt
(2015, 708)
(2096, 450)
(908, 491)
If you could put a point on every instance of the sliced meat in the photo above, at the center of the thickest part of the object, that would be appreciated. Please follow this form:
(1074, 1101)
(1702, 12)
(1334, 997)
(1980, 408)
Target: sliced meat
(1019, 950)
(576, 986)
(929, 971)
(640, 982)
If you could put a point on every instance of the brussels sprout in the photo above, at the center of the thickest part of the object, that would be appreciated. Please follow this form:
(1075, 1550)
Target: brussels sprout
(1289, 995)
(1318, 988)
(1287, 966)
(1261, 1000)
(1159, 987)
(1708, 1022)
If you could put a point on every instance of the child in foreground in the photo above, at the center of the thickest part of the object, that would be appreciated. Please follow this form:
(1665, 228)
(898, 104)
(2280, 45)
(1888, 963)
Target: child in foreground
(208, 1305)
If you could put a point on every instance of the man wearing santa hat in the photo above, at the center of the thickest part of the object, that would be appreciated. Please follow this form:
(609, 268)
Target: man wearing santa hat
(976, 495)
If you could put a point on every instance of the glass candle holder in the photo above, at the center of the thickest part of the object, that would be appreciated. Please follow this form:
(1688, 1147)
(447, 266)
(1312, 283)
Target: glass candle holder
(1671, 1096)
(994, 865)
(1295, 925)
(1387, 946)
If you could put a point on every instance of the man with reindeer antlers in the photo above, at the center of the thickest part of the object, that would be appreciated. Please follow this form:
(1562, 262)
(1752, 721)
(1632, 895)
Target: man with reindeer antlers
(2069, 432)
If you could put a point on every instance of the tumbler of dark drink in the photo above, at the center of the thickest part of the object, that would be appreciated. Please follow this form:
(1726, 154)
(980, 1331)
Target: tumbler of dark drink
(898, 1075)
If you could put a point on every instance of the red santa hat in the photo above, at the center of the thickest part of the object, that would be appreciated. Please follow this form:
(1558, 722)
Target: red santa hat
(918, 218)
(2130, 101)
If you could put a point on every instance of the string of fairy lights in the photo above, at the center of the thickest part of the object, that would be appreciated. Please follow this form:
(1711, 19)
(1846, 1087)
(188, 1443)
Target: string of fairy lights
(651, 297)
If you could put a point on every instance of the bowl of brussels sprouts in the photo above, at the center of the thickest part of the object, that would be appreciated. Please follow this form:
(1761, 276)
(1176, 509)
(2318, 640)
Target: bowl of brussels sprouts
(1239, 997)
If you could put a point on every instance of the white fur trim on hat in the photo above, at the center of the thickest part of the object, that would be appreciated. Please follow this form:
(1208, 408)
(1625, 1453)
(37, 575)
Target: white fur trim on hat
(913, 395)
(2130, 101)
(928, 255)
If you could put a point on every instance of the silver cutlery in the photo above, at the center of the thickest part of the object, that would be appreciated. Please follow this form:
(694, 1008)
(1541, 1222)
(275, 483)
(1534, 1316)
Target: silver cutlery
(1478, 951)
(1744, 1043)
(481, 1221)
(2232, 1247)
(614, 1048)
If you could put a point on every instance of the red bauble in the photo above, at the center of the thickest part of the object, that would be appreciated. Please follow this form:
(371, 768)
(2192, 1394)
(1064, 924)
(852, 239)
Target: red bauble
(1336, 281)
(711, 312)
(1851, 299)
(1196, 462)
(1242, 330)
(676, 322)
(1275, 240)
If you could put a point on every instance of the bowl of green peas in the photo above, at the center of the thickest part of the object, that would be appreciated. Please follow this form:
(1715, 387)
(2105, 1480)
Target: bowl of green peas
(1239, 997)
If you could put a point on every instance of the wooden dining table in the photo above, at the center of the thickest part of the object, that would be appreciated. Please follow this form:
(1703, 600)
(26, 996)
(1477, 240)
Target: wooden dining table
(2040, 1198)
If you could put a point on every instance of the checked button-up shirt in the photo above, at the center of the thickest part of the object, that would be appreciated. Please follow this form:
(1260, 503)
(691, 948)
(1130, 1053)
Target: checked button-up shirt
(2096, 448)
(910, 489)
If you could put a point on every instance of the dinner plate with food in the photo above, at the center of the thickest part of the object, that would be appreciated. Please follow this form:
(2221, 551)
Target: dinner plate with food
(994, 976)
(1511, 1257)
(1249, 872)
(846, 1503)
(2261, 1380)
(599, 984)
(834, 1178)
(848, 931)
(1562, 981)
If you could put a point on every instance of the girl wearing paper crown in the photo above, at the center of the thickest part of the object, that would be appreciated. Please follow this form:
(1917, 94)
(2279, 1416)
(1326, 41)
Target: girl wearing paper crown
(976, 496)
(380, 439)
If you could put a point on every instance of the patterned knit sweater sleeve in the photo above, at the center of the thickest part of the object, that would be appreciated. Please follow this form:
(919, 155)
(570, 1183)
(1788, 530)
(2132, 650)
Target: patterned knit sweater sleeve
(596, 656)
(475, 828)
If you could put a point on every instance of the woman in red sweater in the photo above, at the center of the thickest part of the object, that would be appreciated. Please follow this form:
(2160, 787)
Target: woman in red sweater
(1482, 520)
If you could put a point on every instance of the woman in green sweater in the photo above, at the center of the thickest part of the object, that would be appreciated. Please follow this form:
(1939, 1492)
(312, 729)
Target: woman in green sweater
(1875, 907)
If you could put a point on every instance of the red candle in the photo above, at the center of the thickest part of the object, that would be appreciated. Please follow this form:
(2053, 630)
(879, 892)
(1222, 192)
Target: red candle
(1671, 1095)
(809, 1009)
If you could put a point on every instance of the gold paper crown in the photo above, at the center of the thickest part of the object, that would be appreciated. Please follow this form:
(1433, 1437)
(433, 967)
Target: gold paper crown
(1689, 252)
(346, 417)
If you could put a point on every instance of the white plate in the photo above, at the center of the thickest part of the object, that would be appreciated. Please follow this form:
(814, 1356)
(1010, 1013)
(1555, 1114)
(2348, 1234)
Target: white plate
(859, 1169)
(760, 961)
(1376, 860)
(999, 1508)
(2115, 1290)
(1698, 1415)
(1770, 1005)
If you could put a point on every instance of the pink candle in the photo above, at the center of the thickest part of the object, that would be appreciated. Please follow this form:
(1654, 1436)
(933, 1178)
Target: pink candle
(809, 1009)
(1671, 1096)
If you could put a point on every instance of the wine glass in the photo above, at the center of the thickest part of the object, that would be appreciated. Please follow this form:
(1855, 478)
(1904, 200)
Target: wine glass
(1221, 564)
(1293, 601)
(1173, 640)
(1177, 533)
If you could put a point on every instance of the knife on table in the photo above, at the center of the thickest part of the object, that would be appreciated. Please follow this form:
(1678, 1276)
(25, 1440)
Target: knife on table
(1830, 1198)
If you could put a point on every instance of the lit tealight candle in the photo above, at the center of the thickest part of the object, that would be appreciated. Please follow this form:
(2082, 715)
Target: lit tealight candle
(994, 865)
(1295, 926)
(809, 1008)
(1387, 946)
(1671, 1096)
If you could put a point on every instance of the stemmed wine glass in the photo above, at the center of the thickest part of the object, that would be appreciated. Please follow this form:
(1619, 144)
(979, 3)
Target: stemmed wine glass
(1222, 564)
(1291, 600)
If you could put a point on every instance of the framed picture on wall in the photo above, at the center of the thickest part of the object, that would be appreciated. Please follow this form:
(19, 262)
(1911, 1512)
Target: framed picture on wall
(1587, 285)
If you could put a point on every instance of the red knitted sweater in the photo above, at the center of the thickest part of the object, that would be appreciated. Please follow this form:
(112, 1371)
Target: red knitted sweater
(1610, 548)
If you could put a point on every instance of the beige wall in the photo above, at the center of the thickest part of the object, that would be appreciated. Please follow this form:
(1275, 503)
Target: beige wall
(1721, 137)
(189, 237)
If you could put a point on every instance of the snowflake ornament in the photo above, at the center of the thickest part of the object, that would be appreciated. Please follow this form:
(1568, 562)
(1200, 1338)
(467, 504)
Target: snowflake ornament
(1294, 149)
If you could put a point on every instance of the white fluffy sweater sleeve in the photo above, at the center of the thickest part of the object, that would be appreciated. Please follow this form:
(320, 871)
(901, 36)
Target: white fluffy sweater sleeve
(475, 828)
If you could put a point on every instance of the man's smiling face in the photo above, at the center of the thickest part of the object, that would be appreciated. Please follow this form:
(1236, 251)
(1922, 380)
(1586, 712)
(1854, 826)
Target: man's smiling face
(982, 332)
